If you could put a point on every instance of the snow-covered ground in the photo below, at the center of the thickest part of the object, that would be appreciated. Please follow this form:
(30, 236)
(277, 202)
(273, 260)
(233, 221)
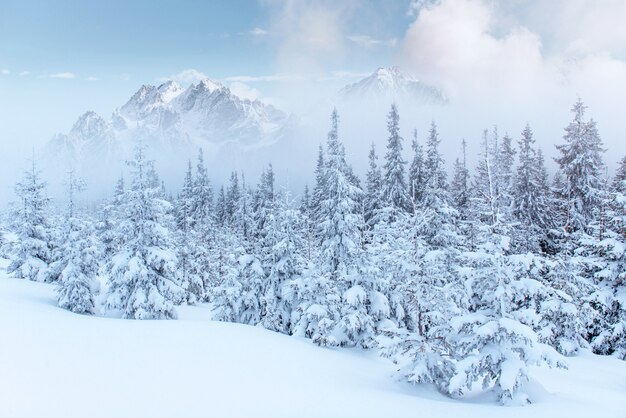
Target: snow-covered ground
(54, 363)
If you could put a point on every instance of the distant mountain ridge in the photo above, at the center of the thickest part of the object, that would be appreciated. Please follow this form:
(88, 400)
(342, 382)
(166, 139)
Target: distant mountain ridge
(205, 114)
(391, 83)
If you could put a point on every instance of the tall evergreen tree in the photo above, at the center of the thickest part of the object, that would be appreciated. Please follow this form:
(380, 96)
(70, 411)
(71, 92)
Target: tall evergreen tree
(581, 163)
(394, 190)
(33, 250)
(459, 186)
(417, 177)
(339, 227)
(142, 281)
(373, 184)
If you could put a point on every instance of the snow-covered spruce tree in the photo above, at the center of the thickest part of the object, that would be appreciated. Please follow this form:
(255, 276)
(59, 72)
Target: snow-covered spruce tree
(81, 255)
(417, 178)
(489, 342)
(307, 226)
(320, 186)
(204, 226)
(339, 226)
(202, 196)
(530, 195)
(435, 217)
(262, 210)
(339, 230)
(459, 185)
(285, 257)
(428, 283)
(602, 254)
(231, 201)
(562, 316)
(62, 225)
(484, 200)
(32, 252)
(78, 257)
(221, 216)
(187, 253)
(505, 176)
(394, 190)
(580, 161)
(373, 188)
(107, 220)
(142, 282)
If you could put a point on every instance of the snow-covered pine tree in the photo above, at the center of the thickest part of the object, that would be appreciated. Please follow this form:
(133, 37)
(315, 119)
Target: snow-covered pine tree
(188, 268)
(505, 164)
(202, 192)
(107, 220)
(242, 221)
(459, 186)
(529, 195)
(81, 255)
(435, 218)
(373, 187)
(394, 190)
(307, 225)
(286, 263)
(32, 252)
(489, 342)
(221, 214)
(340, 223)
(602, 254)
(233, 195)
(320, 186)
(580, 161)
(417, 178)
(142, 282)
(78, 257)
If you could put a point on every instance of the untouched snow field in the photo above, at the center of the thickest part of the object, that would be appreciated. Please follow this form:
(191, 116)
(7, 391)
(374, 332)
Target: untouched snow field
(54, 363)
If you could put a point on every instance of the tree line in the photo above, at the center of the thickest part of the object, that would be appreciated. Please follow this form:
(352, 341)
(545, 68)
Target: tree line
(460, 278)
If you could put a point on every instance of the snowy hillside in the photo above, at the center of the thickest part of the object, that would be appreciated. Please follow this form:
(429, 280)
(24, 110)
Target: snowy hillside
(391, 83)
(55, 363)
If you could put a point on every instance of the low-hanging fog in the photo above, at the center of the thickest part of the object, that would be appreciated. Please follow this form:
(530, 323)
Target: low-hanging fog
(503, 65)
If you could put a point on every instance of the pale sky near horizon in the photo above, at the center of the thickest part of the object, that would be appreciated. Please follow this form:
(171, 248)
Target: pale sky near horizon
(499, 61)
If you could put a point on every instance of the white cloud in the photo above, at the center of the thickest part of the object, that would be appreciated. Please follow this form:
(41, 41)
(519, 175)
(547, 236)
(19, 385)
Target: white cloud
(343, 75)
(271, 77)
(366, 41)
(309, 34)
(473, 46)
(92, 78)
(5, 72)
(24, 73)
(258, 32)
(524, 60)
(65, 75)
(244, 91)
(186, 76)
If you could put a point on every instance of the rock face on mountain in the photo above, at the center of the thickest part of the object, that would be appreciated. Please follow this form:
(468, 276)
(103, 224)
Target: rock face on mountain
(392, 84)
(206, 114)
(173, 123)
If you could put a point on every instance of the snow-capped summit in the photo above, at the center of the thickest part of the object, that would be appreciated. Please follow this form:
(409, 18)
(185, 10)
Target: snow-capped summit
(149, 97)
(169, 90)
(391, 83)
(172, 119)
(89, 125)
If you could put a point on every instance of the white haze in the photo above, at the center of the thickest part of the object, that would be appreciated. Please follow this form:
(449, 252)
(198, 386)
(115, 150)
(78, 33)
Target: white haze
(504, 64)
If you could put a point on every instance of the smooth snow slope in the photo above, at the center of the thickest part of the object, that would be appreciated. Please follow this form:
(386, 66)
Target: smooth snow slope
(57, 364)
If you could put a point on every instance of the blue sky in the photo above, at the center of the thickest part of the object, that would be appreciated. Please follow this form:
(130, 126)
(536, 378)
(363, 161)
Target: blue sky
(60, 58)
(515, 60)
